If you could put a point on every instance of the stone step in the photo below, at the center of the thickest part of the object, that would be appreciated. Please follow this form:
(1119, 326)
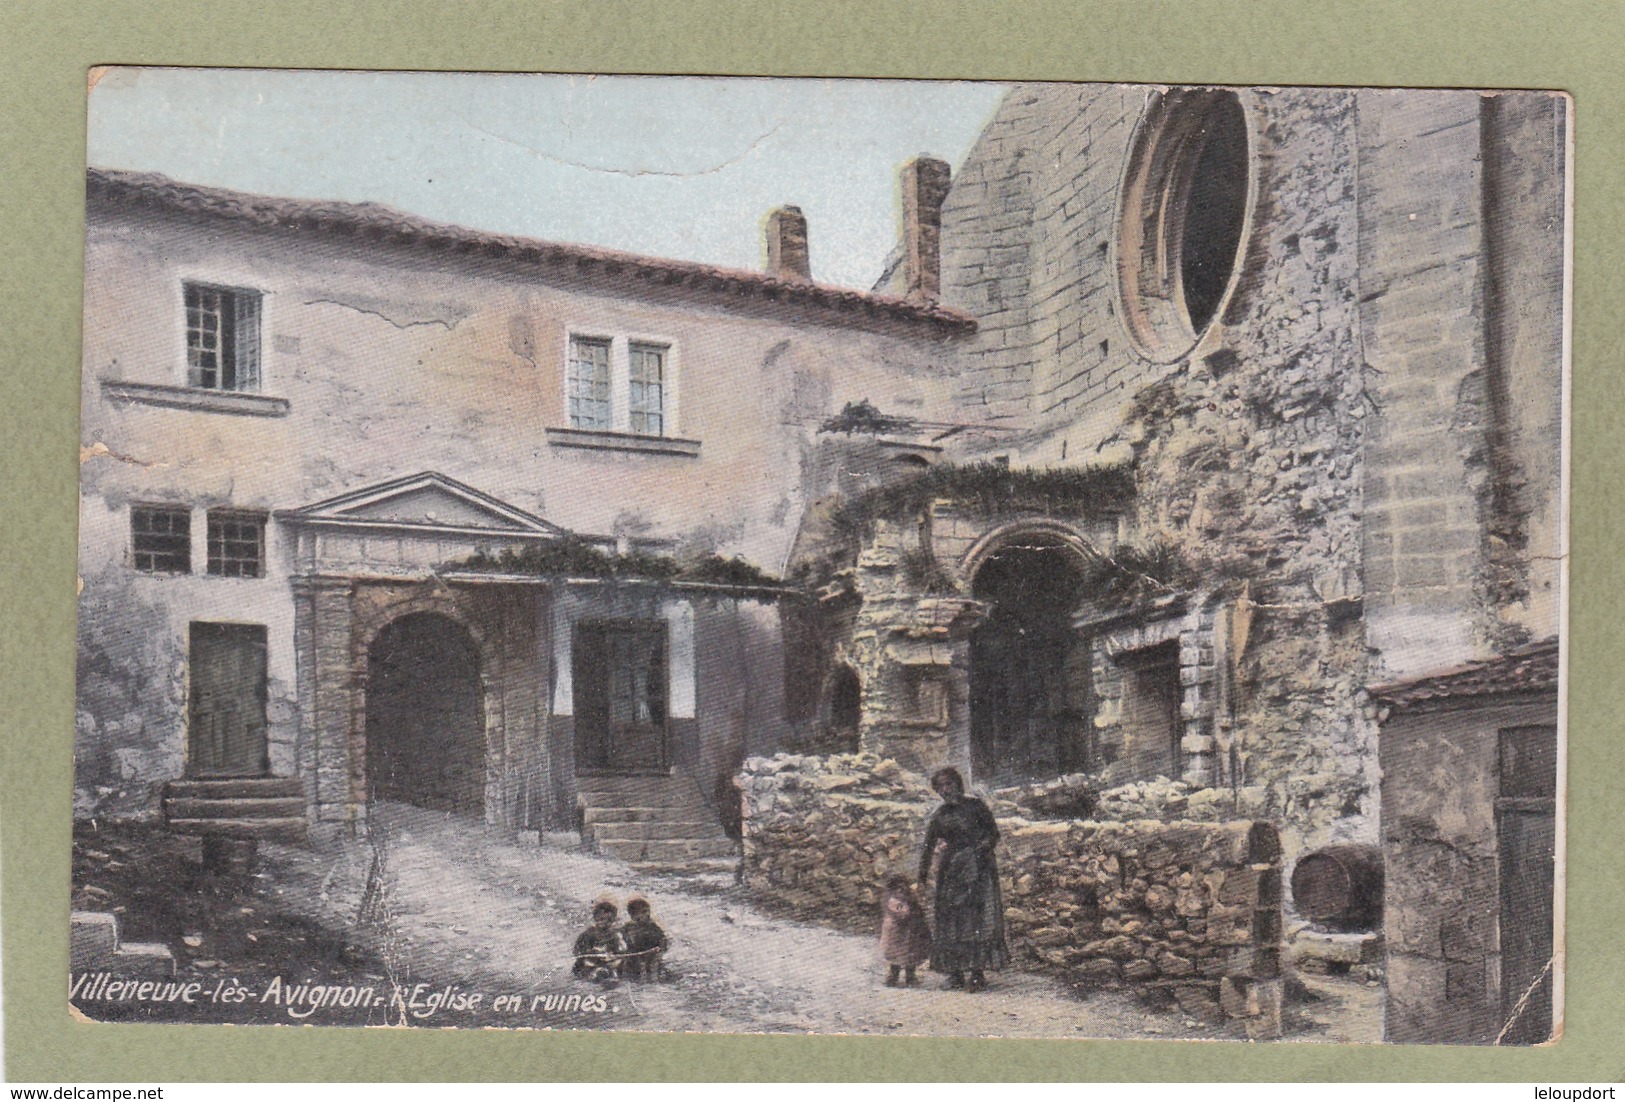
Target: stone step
(656, 828)
(93, 942)
(663, 801)
(235, 788)
(92, 939)
(695, 812)
(692, 866)
(143, 960)
(279, 807)
(665, 849)
(674, 797)
(592, 816)
(265, 830)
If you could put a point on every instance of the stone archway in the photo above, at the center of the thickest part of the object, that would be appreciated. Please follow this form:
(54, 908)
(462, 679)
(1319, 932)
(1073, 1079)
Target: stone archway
(425, 715)
(1031, 707)
(841, 707)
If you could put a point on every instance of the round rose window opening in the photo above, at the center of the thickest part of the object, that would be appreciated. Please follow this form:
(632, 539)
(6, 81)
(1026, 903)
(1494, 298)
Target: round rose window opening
(1182, 218)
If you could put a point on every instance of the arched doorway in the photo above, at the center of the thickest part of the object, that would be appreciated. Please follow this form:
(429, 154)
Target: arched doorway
(426, 715)
(1031, 714)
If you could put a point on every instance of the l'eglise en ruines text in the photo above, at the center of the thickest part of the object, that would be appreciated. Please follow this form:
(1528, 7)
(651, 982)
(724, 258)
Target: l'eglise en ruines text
(301, 1000)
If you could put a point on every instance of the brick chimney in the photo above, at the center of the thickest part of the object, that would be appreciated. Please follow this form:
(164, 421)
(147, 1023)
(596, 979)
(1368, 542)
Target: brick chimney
(925, 187)
(787, 245)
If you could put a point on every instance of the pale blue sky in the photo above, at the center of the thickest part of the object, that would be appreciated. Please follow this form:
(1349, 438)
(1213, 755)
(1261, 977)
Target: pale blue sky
(674, 167)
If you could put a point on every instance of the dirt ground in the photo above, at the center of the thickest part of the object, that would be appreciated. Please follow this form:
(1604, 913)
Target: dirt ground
(439, 909)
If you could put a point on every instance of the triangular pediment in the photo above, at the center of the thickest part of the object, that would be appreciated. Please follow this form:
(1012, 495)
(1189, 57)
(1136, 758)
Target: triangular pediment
(426, 502)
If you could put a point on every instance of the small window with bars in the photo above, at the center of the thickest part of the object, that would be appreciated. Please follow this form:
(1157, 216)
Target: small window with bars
(222, 337)
(161, 538)
(236, 543)
(646, 401)
(589, 383)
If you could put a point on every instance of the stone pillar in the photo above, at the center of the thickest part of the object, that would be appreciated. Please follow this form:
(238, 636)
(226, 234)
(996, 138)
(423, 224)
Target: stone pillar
(913, 656)
(330, 754)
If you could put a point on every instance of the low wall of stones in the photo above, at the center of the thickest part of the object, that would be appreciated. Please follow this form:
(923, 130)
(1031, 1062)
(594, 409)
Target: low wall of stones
(1191, 906)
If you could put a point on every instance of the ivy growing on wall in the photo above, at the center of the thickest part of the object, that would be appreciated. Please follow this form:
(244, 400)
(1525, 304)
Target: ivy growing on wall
(1139, 572)
(864, 417)
(573, 557)
(990, 489)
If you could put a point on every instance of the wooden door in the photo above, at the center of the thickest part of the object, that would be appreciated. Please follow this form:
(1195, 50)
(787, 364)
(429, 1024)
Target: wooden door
(1152, 727)
(226, 714)
(619, 672)
(1526, 829)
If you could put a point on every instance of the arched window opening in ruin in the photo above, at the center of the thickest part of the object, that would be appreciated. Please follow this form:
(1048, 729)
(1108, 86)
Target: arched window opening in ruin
(1031, 709)
(845, 699)
(1183, 217)
(843, 707)
(426, 715)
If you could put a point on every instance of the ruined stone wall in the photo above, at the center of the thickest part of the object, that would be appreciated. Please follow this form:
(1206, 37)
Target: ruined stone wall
(1141, 902)
(1525, 167)
(1461, 246)
(1026, 243)
(1247, 449)
(1423, 335)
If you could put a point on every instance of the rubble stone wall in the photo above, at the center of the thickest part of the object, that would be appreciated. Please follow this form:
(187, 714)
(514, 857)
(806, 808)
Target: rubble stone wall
(1247, 450)
(1139, 902)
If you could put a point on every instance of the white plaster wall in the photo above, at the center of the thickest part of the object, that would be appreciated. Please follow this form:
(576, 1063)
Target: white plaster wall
(394, 363)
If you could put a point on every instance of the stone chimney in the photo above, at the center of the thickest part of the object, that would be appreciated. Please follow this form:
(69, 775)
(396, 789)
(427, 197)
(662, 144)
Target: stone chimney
(925, 187)
(787, 245)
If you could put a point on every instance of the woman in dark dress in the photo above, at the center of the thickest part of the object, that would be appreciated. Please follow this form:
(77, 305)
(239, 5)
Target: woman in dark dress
(969, 912)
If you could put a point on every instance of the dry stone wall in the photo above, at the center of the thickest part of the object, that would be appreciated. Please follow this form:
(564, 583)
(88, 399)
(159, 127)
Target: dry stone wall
(1193, 906)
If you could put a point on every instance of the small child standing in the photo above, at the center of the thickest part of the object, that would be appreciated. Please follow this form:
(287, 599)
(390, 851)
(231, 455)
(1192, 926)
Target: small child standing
(598, 950)
(905, 938)
(644, 940)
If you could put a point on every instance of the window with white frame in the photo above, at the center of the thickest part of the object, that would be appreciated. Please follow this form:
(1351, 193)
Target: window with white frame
(588, 383)
(646, 389)
(222, 337)
(619, 384)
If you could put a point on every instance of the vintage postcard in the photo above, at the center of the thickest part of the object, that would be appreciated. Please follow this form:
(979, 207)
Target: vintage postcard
(869, 557)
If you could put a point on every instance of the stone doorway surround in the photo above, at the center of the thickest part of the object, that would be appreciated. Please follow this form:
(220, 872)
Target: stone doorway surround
(370, 557)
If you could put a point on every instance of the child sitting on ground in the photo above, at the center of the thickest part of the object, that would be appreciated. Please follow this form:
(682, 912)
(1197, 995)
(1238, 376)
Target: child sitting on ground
(905, 938)
(599, 948)
(645, 942)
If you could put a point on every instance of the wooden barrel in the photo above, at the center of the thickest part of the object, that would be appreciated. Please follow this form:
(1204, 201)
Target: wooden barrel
(1340, 887)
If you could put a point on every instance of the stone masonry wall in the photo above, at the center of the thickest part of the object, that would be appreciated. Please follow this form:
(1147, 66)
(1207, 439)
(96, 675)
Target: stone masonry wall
(1422, 330)
(1193, 906)
(1461, 311)
(1247, 451)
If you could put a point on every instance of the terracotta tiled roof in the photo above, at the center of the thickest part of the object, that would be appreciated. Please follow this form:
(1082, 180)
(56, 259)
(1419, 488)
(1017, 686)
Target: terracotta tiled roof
(375, 222)
(1532, 669)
